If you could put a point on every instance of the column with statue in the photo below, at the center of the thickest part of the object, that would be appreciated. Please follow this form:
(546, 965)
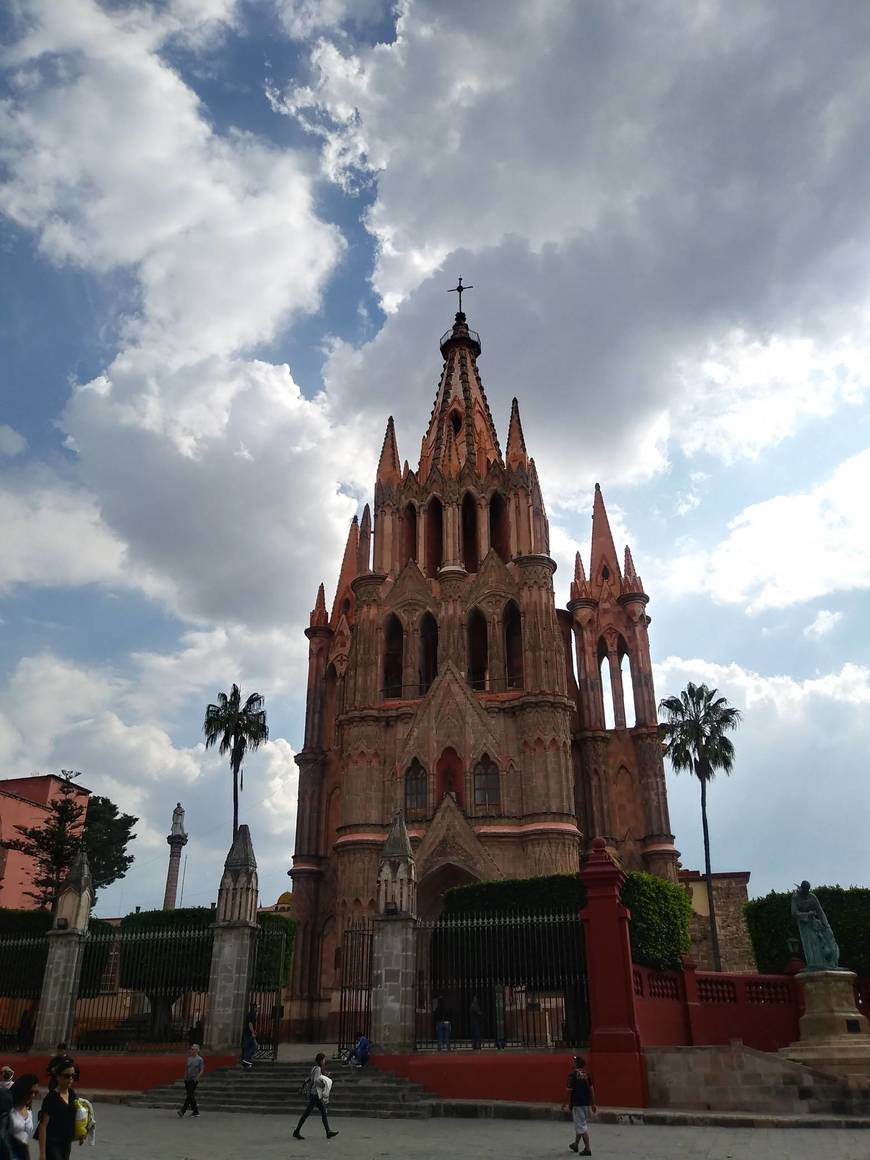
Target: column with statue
(394, 946)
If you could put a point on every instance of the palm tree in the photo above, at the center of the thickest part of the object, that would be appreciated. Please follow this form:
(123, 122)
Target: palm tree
(239, 728)
(694, 737)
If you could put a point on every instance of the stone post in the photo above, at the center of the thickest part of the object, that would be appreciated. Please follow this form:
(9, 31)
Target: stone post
(394, 946)
(614, 1041)
(63, 966)
(232, 956)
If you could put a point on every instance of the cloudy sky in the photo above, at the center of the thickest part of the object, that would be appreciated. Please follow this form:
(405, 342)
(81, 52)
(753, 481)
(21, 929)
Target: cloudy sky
(226, 232)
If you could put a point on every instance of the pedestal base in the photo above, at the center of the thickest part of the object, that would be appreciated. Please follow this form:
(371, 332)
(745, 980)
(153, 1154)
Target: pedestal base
(835, 1036)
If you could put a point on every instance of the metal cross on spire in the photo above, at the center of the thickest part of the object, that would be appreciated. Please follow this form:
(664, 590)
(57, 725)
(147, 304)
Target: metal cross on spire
(459, 289)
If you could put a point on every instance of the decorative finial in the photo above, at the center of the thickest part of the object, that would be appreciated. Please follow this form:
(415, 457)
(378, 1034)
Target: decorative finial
(459, 289)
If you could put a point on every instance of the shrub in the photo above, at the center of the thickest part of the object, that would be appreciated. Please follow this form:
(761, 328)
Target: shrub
(771, 926)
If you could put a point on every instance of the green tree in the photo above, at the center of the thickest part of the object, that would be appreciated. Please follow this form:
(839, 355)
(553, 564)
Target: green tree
(54, 844)
(695, 739)
(236, 728)
(107, 835)
(100, 827)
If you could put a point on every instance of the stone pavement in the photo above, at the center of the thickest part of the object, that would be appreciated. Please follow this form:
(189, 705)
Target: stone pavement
(125, 1133)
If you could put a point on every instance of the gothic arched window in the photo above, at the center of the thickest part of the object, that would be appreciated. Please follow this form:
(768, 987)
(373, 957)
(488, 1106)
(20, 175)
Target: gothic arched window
(434, 536)
(330, 707)
(499, 529)
(486, 783)
(416, 790)
(469, 533)
(428, 652)
(513, 646)
(477, 650)
(394, 641)
(409, 535)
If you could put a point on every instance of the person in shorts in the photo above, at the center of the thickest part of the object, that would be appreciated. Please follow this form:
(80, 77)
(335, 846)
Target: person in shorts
(581, 1100)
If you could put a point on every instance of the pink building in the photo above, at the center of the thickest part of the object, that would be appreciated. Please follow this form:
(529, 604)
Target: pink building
(24, 801)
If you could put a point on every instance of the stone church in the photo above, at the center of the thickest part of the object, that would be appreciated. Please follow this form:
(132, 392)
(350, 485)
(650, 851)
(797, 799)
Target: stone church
(447, 683)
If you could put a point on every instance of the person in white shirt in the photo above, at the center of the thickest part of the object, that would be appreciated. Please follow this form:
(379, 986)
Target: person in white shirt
(24, 1091)
(319, 1086)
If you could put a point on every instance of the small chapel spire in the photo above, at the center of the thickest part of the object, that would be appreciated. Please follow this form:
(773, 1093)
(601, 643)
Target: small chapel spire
(605, 563)
(389, 465)
(364, 552)
(515, 454)
(631, 582)
(343, 592)
(318, 618)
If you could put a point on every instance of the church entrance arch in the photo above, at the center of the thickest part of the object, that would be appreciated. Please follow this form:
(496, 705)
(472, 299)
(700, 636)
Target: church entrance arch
(430, 891)
(450, 777)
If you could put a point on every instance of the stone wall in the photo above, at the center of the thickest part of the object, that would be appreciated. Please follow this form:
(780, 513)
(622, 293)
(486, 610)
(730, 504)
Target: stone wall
(730, 895)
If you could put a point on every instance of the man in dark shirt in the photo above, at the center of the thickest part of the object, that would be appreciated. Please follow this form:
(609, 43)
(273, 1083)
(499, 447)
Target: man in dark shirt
(581, 1097)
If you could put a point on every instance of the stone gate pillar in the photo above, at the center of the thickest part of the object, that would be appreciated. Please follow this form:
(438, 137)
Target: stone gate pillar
(232, 957)
(394, 946)
(63, 966)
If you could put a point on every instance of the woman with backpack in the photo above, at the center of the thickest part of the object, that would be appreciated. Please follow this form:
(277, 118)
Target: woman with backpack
(317, 1087)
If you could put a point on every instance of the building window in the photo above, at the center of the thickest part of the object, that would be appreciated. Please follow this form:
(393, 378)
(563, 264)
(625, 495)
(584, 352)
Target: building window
(477, 650)
(434, 536)
(409, 535)
(469, 533)
(513, 646)
(416, 790)
(393, 653)
(486, 783)
(499, 529)
(428, 652)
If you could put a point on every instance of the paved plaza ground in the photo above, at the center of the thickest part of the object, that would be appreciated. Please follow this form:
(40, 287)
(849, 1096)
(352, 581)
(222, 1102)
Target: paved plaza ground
(139, 1134)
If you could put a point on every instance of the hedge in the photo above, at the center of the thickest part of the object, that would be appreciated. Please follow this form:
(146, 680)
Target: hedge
(771, 926)
(23, 970)
(660, 910)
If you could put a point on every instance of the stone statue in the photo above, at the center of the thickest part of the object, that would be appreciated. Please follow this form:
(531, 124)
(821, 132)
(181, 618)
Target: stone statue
(177, 820)
(820, 947)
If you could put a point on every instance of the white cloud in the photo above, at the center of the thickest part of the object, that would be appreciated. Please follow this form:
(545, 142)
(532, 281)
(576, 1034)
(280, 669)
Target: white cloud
(281, 775)
(301, 19)
(789, 549)
(796, 763)
(12, 442)
(824, 622)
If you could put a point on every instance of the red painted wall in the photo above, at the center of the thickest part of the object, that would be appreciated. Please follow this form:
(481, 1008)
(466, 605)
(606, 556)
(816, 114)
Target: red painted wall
(23, 802)
(528, 1077)
(126, 1073)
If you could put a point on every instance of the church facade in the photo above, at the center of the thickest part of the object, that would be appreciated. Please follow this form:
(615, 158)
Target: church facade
(446, 683)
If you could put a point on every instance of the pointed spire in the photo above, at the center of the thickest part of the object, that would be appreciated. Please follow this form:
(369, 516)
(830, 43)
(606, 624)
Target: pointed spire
(241, 855)
(451, 464)
(319, 618)
(579, 586)
(406, 470)
(348, 573)
(603, 552)
(631, 582)
(363, 556)
(398, 844)
(389, 465)
(516, 444)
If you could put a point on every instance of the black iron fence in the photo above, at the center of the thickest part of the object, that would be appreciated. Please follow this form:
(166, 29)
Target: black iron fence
(270, 972)
(355, 997)
(22, 966)
(500, 981)
(142, 989)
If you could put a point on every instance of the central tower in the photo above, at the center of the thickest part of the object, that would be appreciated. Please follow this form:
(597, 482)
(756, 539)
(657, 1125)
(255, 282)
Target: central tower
(442, 684)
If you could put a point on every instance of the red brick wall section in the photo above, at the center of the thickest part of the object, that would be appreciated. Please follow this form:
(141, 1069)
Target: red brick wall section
(527, 1077)
(125, 1073)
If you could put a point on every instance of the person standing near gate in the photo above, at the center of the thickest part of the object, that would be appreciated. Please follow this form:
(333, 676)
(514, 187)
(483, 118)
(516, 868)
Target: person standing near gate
(194, 1066)
(249, 1039)
(475, 1012)
(581, 1098)
(443, 1026)
(318, 1086)
(57, 1116)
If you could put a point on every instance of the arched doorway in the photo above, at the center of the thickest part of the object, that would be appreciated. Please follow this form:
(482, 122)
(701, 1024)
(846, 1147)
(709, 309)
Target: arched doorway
(430, 891)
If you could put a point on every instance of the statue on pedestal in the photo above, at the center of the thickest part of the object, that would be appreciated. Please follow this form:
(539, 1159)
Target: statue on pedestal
(820, 947)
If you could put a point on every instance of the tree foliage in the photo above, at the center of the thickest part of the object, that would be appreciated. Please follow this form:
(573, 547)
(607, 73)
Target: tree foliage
(236, 728)
(771, 926)
(107, 834)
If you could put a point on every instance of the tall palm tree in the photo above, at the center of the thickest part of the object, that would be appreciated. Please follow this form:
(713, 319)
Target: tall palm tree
(238, 728)
(694, 737)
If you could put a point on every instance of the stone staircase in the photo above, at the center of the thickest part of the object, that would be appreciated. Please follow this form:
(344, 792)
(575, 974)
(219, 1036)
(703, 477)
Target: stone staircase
(273, 1089)
(740, 1079)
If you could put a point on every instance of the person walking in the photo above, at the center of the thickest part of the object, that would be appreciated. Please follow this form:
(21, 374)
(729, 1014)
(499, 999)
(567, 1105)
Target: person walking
(581, 1098)
(57, 1116)
(249, 1037)
(319, 1085)
(61, 1054)
(24, 1091)
(194, 1066)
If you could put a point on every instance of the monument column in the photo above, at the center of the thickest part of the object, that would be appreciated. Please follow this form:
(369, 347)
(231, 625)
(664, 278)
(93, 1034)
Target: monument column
(63, 967)
(394, 946)
(177, 839)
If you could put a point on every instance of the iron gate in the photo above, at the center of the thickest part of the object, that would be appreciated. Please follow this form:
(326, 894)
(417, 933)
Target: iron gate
(22, 965)
(355, 999)
(269, 974)
(501, 980)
